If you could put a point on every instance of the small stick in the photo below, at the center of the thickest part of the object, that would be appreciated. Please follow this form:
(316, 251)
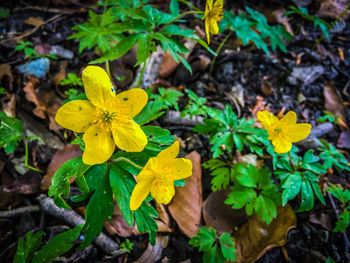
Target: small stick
(71, 217)
(19, 211)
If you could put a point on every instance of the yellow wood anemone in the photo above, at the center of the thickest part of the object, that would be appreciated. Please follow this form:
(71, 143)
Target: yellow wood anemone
(106, 118)
(284, 132)
(212, 15)
(158, 176)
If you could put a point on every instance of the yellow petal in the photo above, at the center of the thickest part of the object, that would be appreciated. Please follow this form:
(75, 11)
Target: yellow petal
(169, 153)
(148, 171)
(290, 118)
(213, 27)
(297, 132)
(99, 145)
(131, 102)
(129, 136)
(77, 115)
(218, 10)
(267, 119)
(208, 6)
(181, 168)
(207, 30)
(140, 193)
(281, 145)
(98, 86)
(163, 191)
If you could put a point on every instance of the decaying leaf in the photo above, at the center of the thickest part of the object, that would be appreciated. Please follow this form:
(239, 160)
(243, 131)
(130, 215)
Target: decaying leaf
(68, 152)
(283, 19)
(9, 105)
(154, 253)
(31, 96)
(219, 215)
(334, 104)
(61, 74)
(255, 238)
(34, 21)
(337, 9)
(186, 205)
(344, 140)
(118, 226)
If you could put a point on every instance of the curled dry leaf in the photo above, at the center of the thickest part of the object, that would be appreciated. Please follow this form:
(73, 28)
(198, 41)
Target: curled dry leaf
(9, 105)
(35, 21)
(283, 19)
(219, 215)
(186, 205)
(154, 253)
(118, 226)
(32, 96)
(61, 74)
(337, 9)
(334, 104)
(255, 238)
(68, 152)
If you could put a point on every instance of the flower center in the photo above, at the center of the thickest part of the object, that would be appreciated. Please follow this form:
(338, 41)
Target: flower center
(108, 117)
(277, 130)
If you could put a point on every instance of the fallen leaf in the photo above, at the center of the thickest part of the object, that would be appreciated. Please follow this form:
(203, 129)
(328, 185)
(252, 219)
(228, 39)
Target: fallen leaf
(334, 104)
(26, 184)
(337, 9)
(344, 140)
(219, 215)
(118, 226)
(321, 219)
(34, 21)
(32, 96)
(5, 70)
(255, 238)
(186, 205)
(68, 152)
(154, 253)
(61, 74)
(9, 105)
(163, 215)
(260, 105)
(283, 19)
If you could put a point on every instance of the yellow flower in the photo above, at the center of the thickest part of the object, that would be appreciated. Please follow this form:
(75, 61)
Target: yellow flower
(283, 132)
(106, 118)
(212, 15)
(158, 176)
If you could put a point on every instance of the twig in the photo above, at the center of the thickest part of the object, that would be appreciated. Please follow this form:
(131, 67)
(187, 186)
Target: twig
(19, 211)
(174, 117)
(71, 217)
(336, 211)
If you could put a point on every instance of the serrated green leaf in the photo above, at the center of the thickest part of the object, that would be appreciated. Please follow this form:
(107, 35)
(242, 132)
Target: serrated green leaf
(57, 246)
(100, 206)
(228, 247)
(156, 134)
(204, 239)
(144, 217)
(343, 222)
(265, 208)
(152, 111)
(122, 184)
(307, 197)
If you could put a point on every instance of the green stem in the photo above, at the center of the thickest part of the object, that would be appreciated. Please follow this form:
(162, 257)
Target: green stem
(290, 161)
(142, 72)
(188, 13)
(222, 44)
(123, 159)
(189, 4)
(108, 69)
(26, 159)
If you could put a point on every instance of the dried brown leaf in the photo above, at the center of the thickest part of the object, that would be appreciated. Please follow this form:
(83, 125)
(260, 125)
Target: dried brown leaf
(118, 226)
(154, 253)
(34, 21)
(61, 74)
(255, 238)
(186, 205)
(9, 105)
(32, 96)
(219, 215)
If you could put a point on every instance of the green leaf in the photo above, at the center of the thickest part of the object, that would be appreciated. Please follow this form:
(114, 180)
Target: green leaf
(307, 197)
(60, 182)
(145, 46)
(168, 97)
(144, 217)
(100, 206)
(204, 239)
(57, 246)
(122, 184)
(265, 208)
(157, 135)
(344, 221)
(174, 8)
(291, 187)
(11, 130)
(119, 50)
(152, 111)
(240, 196)
(27, 246)
(221, 173)
(228, 247)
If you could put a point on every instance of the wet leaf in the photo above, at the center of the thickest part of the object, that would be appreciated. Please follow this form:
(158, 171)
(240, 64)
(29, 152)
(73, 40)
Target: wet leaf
(186, 205)
(255, 238)
(154, 253)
